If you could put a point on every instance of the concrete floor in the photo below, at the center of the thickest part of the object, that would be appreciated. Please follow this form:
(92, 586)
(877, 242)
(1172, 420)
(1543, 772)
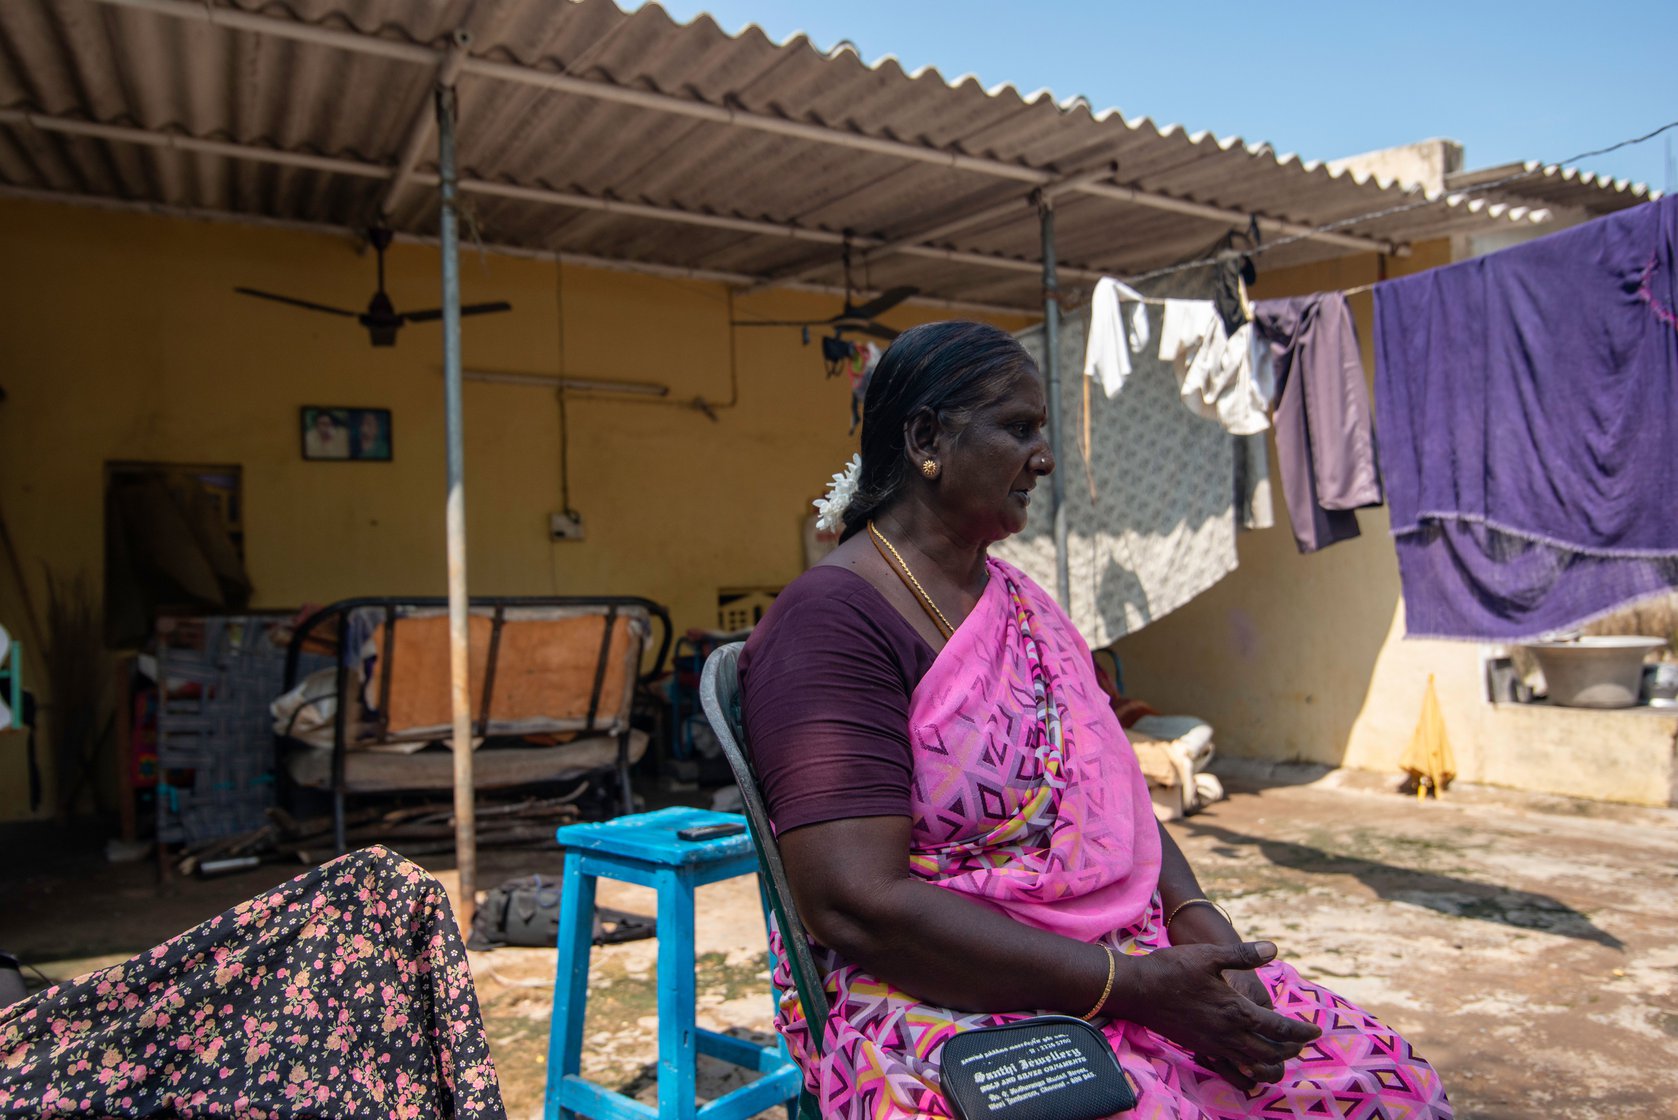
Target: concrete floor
(1528, 946)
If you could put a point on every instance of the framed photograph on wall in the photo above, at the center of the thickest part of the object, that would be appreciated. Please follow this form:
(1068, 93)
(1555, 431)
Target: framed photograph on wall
(346, 434)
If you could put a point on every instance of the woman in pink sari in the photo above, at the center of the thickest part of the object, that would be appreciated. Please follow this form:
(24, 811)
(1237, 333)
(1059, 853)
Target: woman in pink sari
(967, 832)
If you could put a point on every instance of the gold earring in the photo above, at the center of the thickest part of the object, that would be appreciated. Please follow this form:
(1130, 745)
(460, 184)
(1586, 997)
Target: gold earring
(929, 467)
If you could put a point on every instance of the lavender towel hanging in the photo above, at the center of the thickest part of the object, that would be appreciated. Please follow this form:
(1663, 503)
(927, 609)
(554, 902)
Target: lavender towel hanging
(1529, 412)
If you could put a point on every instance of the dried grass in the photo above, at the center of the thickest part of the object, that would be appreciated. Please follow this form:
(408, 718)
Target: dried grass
(1653, 618)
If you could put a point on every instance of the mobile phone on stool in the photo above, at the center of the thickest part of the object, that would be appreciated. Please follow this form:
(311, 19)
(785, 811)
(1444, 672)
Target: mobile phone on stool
(710, 831)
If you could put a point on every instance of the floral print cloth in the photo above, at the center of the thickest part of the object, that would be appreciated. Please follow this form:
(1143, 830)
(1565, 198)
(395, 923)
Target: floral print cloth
(344, 993)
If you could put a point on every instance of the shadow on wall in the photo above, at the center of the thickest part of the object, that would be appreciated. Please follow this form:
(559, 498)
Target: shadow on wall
(1279, 657)
(1123, 589)
(1445, 894)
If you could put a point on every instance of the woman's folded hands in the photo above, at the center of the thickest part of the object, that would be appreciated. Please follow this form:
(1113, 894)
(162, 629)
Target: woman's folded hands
(1181, 993)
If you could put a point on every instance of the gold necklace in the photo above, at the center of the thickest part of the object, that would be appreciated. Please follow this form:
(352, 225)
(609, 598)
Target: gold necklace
(913, 584)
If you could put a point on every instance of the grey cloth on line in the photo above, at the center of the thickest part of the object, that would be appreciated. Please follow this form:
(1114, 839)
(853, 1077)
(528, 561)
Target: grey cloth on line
(1325, 435)
(1161, 527)
(1254, 507)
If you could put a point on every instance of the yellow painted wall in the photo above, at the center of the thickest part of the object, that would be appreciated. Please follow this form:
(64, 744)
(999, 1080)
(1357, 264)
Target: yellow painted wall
(1303, 658)
(122, 340)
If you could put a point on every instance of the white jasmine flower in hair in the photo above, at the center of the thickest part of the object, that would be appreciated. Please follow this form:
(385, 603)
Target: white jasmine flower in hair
(830, 511)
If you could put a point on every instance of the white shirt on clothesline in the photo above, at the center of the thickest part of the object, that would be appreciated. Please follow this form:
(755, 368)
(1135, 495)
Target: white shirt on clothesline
(1214, 369)
(1113, 336)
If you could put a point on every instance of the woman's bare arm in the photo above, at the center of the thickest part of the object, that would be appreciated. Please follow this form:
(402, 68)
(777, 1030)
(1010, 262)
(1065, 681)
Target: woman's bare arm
(851, 881)
(854, 891)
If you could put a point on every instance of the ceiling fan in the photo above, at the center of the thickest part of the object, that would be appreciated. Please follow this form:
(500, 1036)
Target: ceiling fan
(851, 317)
(381, 318)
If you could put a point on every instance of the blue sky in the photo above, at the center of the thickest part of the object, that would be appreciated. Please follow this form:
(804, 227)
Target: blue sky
(1536, 80)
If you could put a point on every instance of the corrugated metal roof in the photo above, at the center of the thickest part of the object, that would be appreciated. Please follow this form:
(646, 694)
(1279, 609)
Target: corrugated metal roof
(168, 68)
(1535, 184)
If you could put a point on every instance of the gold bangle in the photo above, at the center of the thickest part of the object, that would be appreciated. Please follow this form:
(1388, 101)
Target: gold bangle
(1107, 990)
(1203, 901)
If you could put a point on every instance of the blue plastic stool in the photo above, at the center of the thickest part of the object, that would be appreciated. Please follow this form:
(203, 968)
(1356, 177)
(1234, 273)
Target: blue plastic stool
(643, 848)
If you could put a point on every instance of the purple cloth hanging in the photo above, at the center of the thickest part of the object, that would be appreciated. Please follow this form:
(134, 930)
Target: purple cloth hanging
(1529, 414)
(1325, 439)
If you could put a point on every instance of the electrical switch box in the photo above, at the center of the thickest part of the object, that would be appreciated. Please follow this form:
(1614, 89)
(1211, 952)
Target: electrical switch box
(567, 526)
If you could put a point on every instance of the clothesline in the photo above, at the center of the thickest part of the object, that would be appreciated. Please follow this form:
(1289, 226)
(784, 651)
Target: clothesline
(1133, 296)
(1161, 301)
(1390, 211)
(1493, 539)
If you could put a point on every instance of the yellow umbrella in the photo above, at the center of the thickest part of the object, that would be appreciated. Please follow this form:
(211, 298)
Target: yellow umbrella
(1429, 758)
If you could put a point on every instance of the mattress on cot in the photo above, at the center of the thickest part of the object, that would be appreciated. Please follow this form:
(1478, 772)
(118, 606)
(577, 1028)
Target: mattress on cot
(556, 670)
(499, 767)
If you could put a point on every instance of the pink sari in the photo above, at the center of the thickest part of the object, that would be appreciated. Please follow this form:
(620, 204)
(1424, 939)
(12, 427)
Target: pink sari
(1028, 799)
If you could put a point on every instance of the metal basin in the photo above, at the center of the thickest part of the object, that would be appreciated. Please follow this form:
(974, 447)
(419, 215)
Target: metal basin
(1594, 672)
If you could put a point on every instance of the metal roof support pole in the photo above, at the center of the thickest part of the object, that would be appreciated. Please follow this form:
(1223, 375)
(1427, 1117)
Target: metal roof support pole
(460, 680)
(1051, 389)
(923, 238)
(420, 131)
